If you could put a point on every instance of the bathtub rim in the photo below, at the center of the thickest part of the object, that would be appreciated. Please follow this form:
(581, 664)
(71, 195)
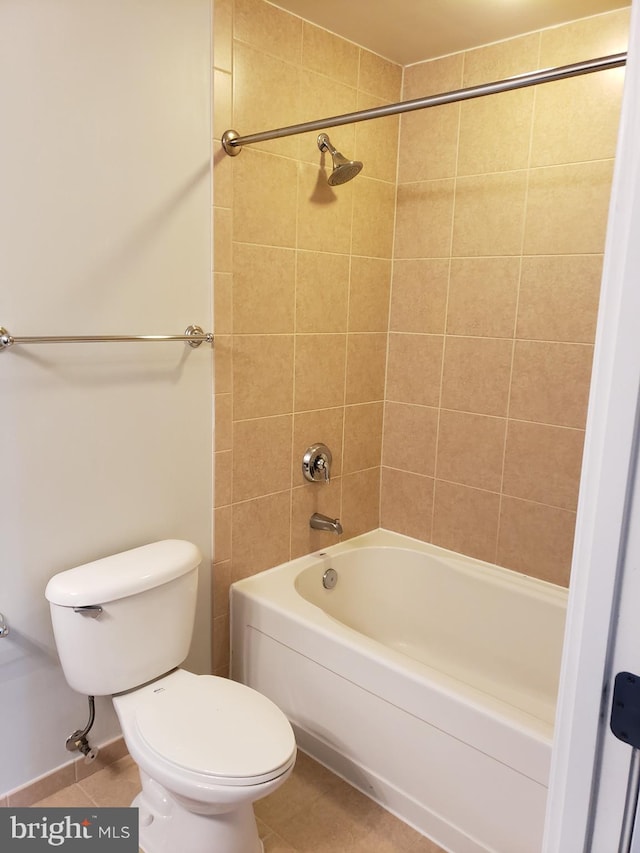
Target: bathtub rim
(383, 538)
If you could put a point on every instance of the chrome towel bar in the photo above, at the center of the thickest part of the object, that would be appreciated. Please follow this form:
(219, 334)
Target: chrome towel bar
(193, 335)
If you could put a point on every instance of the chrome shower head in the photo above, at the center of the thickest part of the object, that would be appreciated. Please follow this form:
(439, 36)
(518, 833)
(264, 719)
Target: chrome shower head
(343, 170)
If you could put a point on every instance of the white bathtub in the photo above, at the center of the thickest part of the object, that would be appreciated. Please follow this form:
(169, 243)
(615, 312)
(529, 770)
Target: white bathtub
(427, 679)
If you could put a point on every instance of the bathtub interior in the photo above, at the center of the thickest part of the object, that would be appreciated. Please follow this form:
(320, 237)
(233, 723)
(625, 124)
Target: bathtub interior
(492, 629)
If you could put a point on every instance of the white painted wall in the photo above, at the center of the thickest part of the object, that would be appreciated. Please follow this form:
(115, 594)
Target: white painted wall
(105, 228)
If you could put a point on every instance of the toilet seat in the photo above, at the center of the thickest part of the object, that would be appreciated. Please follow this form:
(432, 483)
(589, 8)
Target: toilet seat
(212, 726)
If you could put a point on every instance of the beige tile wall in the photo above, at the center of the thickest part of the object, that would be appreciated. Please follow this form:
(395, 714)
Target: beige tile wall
(437, 333)
(302, 289)
(501, 215)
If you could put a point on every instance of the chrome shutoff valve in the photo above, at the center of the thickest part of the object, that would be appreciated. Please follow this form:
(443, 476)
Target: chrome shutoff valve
(78, 742)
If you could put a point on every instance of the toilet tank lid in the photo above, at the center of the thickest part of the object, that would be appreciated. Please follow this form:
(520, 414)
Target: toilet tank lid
(120, 575)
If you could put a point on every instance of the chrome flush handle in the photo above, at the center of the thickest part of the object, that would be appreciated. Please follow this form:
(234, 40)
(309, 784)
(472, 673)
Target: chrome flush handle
(91, 610)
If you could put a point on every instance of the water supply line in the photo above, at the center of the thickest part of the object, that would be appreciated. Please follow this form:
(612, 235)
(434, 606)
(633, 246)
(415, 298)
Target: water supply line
(77, 742)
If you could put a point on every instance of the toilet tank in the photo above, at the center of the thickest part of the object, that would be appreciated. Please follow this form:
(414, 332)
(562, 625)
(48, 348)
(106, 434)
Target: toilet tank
(147, 598)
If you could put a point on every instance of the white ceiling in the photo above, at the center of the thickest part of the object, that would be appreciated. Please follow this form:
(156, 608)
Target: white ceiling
(407, 31)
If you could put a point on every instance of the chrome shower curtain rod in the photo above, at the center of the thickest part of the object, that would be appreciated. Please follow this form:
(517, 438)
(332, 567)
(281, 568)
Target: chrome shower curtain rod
(232, 142)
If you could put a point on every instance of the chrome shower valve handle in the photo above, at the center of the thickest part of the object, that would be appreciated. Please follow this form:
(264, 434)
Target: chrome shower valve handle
(316, 463)
(323, 466)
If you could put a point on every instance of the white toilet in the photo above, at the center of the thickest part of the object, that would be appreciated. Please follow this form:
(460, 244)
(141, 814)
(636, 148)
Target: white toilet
(207, 747)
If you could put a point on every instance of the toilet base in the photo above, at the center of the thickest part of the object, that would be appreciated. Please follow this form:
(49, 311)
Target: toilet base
(166, 826)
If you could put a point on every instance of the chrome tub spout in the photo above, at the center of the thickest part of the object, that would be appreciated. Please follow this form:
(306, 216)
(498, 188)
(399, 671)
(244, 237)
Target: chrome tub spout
(323, 522)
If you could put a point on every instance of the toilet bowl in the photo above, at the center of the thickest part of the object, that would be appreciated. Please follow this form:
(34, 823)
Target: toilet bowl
(207, 747)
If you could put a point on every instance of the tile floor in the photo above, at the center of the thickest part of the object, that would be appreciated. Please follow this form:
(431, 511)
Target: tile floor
(313, 812)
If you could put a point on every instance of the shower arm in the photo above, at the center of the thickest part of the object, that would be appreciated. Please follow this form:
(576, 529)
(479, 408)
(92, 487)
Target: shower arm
(232, 142)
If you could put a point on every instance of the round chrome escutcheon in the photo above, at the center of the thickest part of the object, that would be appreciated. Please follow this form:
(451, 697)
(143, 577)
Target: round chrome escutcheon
(329, 579)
